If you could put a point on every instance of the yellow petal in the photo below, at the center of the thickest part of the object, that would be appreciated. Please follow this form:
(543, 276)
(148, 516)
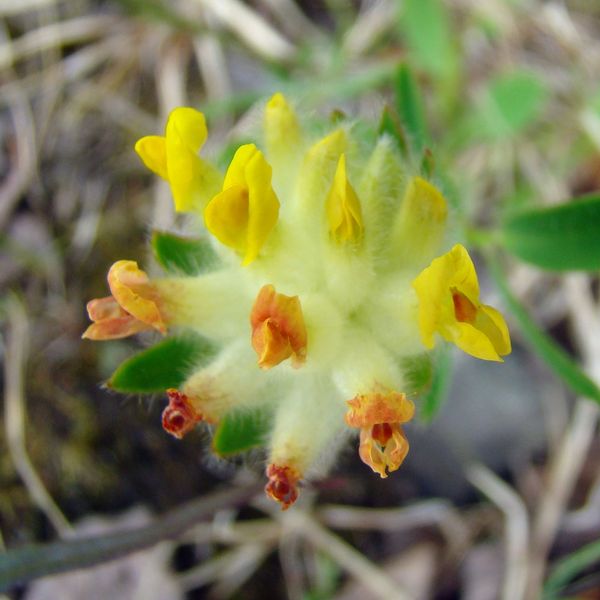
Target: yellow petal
(474, 342)
(185, 134)
(244, 213)
(187, 127)
(153, 152)
(226, 217)
(492, 323)
(342, 207)
(132, 289)
(263, 205)
(236, 172)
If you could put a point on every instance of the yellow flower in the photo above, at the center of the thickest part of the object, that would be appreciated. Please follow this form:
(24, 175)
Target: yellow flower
(244, 213)
(448, 293)
(174, 157)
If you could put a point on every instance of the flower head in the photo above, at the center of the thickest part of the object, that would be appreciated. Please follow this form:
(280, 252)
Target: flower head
(311, 308)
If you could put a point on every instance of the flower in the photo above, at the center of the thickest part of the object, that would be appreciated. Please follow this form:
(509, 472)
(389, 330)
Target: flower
(321, 298)
(343, 207)
(174, 158)
(278, 329)
(448, 293)
(378, 415)
(244, 213)
(133, 306)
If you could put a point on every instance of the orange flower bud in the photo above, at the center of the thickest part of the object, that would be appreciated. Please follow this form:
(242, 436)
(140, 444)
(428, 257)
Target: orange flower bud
(133, 290)
(278, 329)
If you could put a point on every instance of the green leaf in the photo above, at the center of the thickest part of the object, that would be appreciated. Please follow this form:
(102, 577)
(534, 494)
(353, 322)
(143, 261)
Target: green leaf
(178, 254)
(390, 124)
(240, 431)
(567, 568)
(561, 238)
(544, 346)
(441, 378)
(510, 103)
(409, 104)
(426, 25)
(165, 365)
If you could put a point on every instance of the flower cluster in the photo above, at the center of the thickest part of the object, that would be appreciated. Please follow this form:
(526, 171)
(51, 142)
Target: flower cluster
(331, 276)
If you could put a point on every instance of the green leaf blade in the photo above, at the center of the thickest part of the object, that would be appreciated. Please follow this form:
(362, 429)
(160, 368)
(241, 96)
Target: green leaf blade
(410, 108)
(241, 431)
(390, 125)
(559, 238)
(163, 366)
(181, 255)
(569, 567)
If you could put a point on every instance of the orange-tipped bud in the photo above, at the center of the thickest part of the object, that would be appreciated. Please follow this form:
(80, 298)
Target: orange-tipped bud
(110, 321)
(179, 417)
(278, 330)
(133, 290)
(282, 485)
(133, 306)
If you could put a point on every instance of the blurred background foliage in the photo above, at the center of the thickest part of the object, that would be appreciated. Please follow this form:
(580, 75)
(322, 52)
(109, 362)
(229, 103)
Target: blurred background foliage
(500, 495)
